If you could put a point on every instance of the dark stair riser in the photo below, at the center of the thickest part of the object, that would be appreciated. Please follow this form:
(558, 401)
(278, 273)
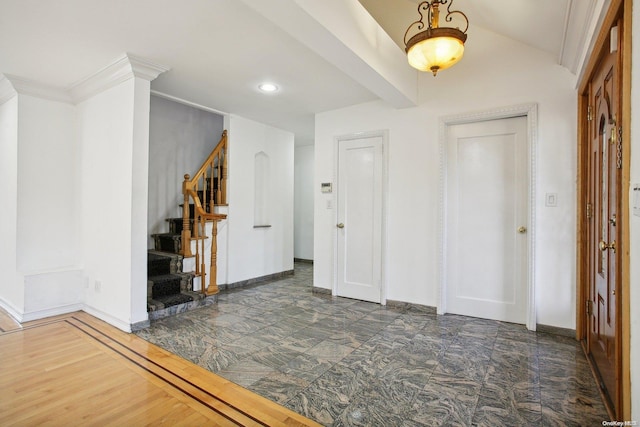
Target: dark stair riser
(165, 285)
(174, 299)
(167, 242)
(177, 224)
(158, 265)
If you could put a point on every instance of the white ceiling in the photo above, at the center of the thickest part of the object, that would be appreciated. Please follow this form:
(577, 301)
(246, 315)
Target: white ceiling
(559, 27)
(220, 50)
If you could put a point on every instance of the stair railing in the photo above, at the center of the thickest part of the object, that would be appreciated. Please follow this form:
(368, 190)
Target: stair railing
(207, 188)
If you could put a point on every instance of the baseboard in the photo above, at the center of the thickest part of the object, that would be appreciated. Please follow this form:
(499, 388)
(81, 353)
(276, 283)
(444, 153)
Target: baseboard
(22, 317)
(49, 312)
(125, 326)
(11, 310)
(255, 280)
(302, 260)
(554, 330)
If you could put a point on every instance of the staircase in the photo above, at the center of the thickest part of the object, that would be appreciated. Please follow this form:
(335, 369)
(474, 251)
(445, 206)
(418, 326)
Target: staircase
(170, 290)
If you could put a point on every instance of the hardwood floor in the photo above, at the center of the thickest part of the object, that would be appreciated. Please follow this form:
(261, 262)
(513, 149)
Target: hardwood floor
(77, 370)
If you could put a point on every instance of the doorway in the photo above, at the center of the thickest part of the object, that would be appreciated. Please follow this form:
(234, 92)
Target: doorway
(603, 242)
(359, 217)
(487, 207)
(487, 214)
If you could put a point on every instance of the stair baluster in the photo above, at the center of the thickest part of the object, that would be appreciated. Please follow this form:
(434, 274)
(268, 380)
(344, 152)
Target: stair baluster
(212, 173)
(213, 266)
(222, 187)
(186, 222)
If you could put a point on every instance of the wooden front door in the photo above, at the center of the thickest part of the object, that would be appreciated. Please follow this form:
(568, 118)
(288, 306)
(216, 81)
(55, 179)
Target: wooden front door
(603, 216)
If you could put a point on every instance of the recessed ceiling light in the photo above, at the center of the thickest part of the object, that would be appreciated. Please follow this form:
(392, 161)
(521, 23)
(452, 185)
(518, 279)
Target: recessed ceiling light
(268, 87)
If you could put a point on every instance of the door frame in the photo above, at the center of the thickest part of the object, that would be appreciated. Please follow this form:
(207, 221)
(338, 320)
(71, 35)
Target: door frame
(618, 9)
(384, 134)
(530, 111)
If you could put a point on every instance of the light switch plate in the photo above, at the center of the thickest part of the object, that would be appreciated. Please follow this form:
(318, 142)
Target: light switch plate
(636, 199)
(551, 200)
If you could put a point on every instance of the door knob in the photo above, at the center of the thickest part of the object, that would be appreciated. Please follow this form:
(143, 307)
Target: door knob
(341, 225)
(522, 230)
(604, 246)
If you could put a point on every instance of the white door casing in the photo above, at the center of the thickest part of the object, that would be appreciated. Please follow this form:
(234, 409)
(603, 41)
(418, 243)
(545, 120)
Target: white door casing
(359, 217)
(488, 214)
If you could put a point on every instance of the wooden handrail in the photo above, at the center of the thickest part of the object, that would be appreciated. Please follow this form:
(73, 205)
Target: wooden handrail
(212, 175)
(208, 216)
(220, 148)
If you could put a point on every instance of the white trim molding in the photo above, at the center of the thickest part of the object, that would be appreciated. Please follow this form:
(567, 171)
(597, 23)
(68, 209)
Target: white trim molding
(188, 103)
(13, 311)
(114, 321)
(7, 91)
(125, 67)
(531, 112)
(29, 87)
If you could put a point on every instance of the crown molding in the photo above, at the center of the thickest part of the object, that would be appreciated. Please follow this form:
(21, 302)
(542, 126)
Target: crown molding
(146, 69)
(122, 69)
(187, 103)
(7, 91)
(12, 85)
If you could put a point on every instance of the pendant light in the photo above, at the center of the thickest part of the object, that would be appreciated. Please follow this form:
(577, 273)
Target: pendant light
(435, 48)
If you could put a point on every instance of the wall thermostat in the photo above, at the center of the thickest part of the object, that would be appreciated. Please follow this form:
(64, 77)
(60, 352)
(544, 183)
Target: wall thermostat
(325, 187)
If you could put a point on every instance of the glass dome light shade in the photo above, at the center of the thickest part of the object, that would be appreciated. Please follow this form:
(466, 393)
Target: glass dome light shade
(436, 49)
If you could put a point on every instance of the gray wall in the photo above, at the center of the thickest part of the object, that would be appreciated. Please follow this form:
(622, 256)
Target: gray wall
(303, 202)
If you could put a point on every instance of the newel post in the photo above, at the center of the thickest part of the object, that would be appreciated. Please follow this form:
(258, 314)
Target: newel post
(186, 223)
(213, 267)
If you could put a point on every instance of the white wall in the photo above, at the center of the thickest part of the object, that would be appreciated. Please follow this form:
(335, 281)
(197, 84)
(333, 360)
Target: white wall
(180, 139)
(113, 128)
(255, 252)
(634, 237)
(40, 184)
(508, 74)
(48, 226)
(48, 186)
(303, 202)
(11, 287)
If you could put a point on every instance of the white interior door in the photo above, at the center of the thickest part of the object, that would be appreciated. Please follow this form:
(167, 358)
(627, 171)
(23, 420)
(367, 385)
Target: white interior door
(487, 214)
(359, 218)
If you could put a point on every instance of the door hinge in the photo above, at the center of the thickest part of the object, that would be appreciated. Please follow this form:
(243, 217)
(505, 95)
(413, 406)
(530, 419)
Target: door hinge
(589, 211)
(589, 307)
(589, 114)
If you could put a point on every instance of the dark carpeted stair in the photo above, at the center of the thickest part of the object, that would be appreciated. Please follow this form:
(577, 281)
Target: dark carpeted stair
(171, 241)
(167, 285)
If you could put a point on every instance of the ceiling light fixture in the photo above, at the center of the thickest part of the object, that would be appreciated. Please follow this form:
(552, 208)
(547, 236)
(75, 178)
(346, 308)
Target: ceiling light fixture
(435, 48)
(268, 87)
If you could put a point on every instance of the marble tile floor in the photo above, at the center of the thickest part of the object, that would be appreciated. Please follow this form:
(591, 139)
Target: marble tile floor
(344, 362)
